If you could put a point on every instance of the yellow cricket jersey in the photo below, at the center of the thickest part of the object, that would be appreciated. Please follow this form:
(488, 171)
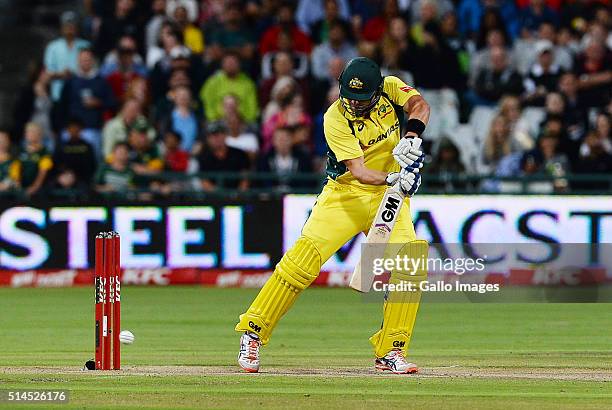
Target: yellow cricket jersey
(374, 137)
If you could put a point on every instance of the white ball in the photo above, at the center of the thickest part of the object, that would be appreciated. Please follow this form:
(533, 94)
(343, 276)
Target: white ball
(126, 337)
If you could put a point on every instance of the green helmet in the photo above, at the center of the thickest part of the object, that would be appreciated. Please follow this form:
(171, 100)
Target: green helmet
(361, 82)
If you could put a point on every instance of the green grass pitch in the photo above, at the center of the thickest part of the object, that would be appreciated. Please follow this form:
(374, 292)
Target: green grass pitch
(544, 356)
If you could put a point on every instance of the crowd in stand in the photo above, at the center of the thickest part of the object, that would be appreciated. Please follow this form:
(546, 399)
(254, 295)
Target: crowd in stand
(132, 89)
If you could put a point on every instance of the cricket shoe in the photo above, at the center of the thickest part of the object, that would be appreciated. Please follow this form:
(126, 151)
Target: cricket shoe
(395, 362)
(248, 356)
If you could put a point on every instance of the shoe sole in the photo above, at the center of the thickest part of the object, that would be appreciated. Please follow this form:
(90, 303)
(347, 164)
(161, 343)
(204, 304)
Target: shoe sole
(410, 370)
(248, 370)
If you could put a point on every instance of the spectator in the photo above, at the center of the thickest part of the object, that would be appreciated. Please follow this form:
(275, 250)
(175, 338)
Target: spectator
(594, 71)
(192, 35)
(238, 134)
(336, 46)
(470, 14)
(117, 129)
(498, 143)
(535, 14)
(562, 53)
(145, 158)
(449, 27)
(116, 174)
(299, 60)
(546, 160)
(282, 67)
(232, 35)
(180, 58)
(191, 6)
(183, 119)
(284, 23)
(86, 96)
(218, 157)
(75, 160)
(9, 166)
(124, 21)
(499, 80)
(481, 60)
(602, 129)
(175, 158)
(169, 37)
(35, 161)
(595, 159)
(447, 166)
(61, 55)
(428, 10)
(122, 67)
(575, 107)
(320, 89)
(312, 15)
(543, 76)
(375, 28)
(293, 115)
(229, 80)
(320, 28)
(154, 26)
(34, 105)
(523, 131)
(284, 160)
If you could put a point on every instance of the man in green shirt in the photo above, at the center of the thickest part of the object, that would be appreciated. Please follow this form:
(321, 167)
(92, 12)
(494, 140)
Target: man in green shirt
(230, 80)
(116, 175)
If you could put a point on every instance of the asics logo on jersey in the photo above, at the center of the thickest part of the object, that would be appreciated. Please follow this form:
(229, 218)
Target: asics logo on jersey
(384, 136)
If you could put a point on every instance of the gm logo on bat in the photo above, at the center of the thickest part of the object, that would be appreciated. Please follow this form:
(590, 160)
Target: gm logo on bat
(391, 206)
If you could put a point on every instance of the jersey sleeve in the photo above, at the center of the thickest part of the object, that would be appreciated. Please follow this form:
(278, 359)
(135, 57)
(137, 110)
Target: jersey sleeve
(339, 136)
(398, 91)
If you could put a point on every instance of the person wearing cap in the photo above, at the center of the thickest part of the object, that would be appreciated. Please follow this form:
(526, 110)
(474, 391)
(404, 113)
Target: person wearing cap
(543, 77)
(366, 154)
(217, 156)
(117, 129)
(61, 54)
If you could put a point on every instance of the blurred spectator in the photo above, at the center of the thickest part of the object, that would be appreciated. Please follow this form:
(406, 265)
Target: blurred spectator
(603, 129)
(500, 79)
(523, 131)
(336, 46)
(300, 61)
(562, 53)
(319, 142)
(442, 7)
(394, 50)
(428, 10)
(594, 71)
(293, 115)
(75, 156)
(191, 6)
(320, 89)
(34, 105)
(320, 28)
(595, 158)
(285, 23)
(313, 16)
(375, 28)
(175, 158)
(536, 13)
(9, 166)
(35, 161)
(498, 143)
(575, 107)
(124, 21)
(183, 119)
(546, 160)
(117, 129)
(87, 96)
(75, 160)
(218, 157)
(470, 14)
(238, 134)
(449, 27)
(282, 66)
(491, 20)
(481, 59)
(192, 35)
(284, 160)
(543, 76)
(61, 55)
(232, 35)
(116, 174)
(122, 67)
(230, 80)
(154, 26)
(447, 166)
(179, 58)
(144, 155)
(169, 37)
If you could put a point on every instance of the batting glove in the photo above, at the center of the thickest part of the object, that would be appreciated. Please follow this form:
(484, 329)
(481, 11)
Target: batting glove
(408, 157)
(409, 181)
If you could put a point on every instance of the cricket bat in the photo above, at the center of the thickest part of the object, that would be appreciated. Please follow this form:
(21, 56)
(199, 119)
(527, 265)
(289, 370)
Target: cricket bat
(380, 231)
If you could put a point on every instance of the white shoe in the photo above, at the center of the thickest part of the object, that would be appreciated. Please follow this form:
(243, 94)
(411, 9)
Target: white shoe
(395, 362)
(248, 356)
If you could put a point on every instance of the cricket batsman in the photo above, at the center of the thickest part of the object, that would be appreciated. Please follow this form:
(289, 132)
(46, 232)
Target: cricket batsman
(366, 155)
